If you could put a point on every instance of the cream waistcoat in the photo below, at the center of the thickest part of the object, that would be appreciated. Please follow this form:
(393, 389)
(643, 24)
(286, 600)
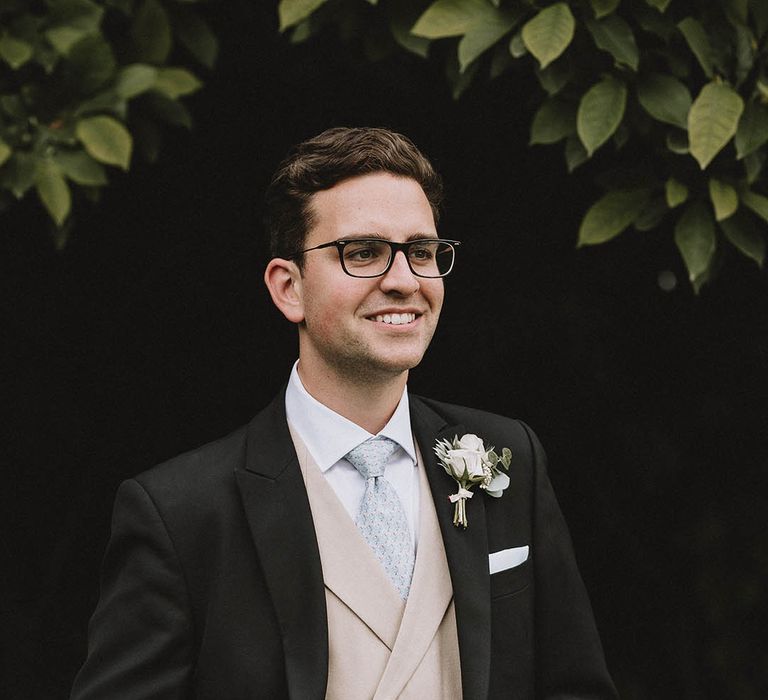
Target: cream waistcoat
(381, 648)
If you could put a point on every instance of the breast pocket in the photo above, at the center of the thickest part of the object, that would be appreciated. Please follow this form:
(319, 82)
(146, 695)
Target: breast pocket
(511, 581)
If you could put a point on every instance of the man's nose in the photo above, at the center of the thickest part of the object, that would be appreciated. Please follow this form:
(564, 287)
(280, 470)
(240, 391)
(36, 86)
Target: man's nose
(399, 278)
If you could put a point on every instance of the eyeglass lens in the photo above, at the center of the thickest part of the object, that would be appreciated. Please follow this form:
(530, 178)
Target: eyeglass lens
(370, 258)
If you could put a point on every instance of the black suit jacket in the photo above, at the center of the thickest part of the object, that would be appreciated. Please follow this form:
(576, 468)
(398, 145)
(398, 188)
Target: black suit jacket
(212, 585)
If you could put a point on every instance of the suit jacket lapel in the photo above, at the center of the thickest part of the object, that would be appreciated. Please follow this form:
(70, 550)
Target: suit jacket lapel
(466, 552)
(280, 521)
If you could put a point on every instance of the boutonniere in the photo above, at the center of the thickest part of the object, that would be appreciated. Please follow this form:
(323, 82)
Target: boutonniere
(469, 462)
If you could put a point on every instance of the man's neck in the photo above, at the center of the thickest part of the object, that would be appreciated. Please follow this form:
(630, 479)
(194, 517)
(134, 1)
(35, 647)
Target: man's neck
(370, 405)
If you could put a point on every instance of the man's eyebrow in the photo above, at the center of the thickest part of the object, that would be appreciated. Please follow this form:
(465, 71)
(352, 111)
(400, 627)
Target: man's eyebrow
(410, 237)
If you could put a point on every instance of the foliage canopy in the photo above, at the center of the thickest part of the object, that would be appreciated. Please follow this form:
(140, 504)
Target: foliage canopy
(675, 91)
(84, 83)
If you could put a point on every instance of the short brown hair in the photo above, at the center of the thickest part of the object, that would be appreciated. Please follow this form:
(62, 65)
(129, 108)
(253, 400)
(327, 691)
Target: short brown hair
(325, 160)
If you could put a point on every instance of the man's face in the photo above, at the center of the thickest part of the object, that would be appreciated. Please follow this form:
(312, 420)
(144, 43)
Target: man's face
(344, 328)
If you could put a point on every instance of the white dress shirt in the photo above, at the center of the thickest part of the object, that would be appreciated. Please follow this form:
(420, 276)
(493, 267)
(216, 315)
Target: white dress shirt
(329, 436)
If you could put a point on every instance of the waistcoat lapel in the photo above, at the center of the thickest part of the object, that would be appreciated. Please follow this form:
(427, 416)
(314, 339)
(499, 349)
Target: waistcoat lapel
(466, 552)
(350, 569)
(428, 600)
(280, 520)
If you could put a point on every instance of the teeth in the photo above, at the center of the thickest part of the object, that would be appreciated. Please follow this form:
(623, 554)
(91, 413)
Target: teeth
(396, 319)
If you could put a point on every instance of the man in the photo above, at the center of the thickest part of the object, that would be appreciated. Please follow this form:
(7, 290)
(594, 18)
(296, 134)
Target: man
(313, 553)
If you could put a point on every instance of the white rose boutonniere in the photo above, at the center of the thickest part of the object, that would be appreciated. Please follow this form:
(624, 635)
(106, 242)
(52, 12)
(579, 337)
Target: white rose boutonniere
(470, 463)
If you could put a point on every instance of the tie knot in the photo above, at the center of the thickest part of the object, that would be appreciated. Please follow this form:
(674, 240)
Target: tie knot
(369, 457)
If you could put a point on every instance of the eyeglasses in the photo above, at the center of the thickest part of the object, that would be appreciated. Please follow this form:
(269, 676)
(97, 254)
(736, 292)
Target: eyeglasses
(373, 257)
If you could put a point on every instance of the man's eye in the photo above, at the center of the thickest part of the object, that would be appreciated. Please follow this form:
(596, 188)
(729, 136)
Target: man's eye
(360, 252)
(422, 253)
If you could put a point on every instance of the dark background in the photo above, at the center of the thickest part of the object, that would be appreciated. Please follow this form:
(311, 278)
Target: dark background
(152, 333)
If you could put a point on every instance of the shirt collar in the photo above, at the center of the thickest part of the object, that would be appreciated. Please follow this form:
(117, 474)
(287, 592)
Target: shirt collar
(315, 422)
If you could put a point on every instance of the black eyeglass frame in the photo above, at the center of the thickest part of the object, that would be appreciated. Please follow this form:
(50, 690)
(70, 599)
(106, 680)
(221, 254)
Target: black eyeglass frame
(394, 247)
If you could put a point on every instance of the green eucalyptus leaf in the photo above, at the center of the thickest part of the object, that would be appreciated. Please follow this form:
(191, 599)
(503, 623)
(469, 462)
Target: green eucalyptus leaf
(665, 98)
(600, 112)
(134, 79)
(79, 167)
(575, 153)
(752, 131)
(5, 152)
(501, 61)
(615, 36)
(18, 174)
(106, 140)
(53, 190)
(747, 238)
(445, 18)
(698, 42)
(15, 52)
(611, 214)
(601, 8)
(724, 198)
(553, 121)
(291, 12)
(653, 22)
(167, 110)
(756, 202)
(737, 10)
(660, 5)
(402, 16)
(549, 33)
(176, 82)
(675, 192)
(696, 241)
(677, 142)
(712, 121)
(196, 36)
(151, 37)
(70, 21)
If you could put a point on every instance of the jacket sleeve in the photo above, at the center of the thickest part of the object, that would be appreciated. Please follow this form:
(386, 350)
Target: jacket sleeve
(140, 636)
(570, 663)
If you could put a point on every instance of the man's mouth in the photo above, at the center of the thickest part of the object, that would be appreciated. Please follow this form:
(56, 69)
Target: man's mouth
(395, 319)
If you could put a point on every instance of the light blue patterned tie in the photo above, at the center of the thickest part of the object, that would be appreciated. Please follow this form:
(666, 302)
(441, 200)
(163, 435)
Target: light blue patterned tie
(381, 518)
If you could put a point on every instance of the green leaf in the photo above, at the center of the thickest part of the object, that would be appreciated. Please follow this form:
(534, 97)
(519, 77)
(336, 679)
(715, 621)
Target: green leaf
(756, 202)
(695, 239)
(485, 33)
(652, 214)
(445, 18)
(291, 12)
(759, 10)
(611, 214)
(549, 33)
(575, 153)
(517, 45)
(753, 165)
(712, 121)
(752, 131)
(677, 142)
(600, 112)
(698, 42)
(53, 190)
(601, 8)
(403, 15)
(70, 21)
(553, 121)
(724, 198)
(15, 52)
(106, 140)
(737, 10)
(5, 152)
(92, 62)
(615, 36)
(18, 174)
(665, 98)
(746, 237)
(79, 167)
(151, 34)
(167, 110)
(196, 36)
(660, 5)
(135, 79)
(554, 77)
(675, 192)
(176, 82)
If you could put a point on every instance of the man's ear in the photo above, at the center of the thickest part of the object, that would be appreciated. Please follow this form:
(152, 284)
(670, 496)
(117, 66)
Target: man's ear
(284, 283)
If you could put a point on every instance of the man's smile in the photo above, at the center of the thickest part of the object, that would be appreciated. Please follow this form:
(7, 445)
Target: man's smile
(395, 319)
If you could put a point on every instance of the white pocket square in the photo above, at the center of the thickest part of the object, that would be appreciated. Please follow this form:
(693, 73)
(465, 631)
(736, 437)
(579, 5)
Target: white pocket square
(507, 558)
